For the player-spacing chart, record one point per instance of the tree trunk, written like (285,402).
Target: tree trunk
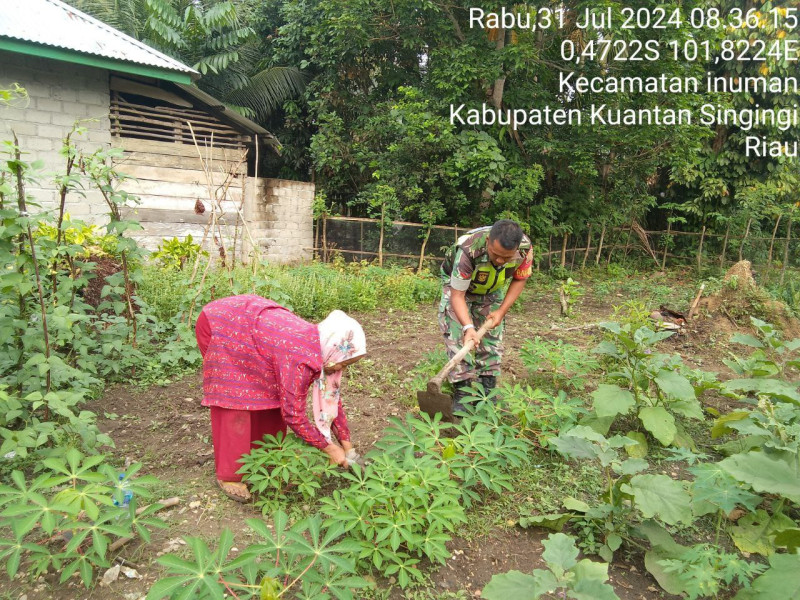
(786,249)
(724,247)
(772,241)
(588,247)
(600,245)
(744,239)
(422,252)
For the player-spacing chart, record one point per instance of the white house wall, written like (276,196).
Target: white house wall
(59,94)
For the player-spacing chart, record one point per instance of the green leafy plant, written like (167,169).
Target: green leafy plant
(658,393)
(565,364)
(565,576)
(174,254)
(629,494)
(772,355)
(283,467)
(66,518)
(302,560)
(398,511)
(569,292)
(704,570)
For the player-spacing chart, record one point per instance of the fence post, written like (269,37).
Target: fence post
(700,249)
(324,238)
(666,246)
(724,247)
(422,252)
(564,250)
(588,246)
(744,239)
(786,250)
(772,241)
(600,246)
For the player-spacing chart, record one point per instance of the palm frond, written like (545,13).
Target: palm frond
(268,89)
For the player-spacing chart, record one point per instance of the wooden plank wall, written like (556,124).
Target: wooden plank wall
(170,181)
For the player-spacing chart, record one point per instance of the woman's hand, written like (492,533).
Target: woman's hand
(336,455)
(346,445)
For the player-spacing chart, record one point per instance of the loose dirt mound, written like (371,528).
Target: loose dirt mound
(741,298)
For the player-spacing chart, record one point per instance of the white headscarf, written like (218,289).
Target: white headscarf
(341,338)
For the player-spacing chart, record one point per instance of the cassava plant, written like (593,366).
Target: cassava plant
(68,516)
(301,561)
(283,467)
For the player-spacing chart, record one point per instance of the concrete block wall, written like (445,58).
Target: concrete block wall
(59,94)
(280,219)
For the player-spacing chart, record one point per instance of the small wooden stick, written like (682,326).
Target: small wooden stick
(174,501)
(696,301)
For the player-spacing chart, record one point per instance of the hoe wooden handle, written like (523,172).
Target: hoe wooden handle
(435,384)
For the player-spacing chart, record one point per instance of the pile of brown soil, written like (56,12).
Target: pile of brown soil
(105,266)
(741,298)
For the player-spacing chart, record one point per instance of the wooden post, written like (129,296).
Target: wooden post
(666,246)
(746,231)
(588,246)
(380,241)
(628,240)
(564,250)
(361,241)
(324,238)
(786,249)
(700,249)
(572,262)
(772,241)
(724,247)
(600,245)
(422,252)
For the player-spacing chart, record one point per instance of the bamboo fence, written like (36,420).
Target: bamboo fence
(361,238)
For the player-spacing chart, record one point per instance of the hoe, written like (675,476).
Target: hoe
(432,400)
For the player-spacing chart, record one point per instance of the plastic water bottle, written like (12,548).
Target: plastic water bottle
(127,494)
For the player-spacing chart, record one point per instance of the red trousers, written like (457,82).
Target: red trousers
(234,432)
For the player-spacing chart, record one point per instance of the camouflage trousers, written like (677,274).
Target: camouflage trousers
(485,360)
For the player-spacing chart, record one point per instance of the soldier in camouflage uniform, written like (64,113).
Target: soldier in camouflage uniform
(475,274)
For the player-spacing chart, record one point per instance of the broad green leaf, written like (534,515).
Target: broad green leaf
(754,532)
(611,400)
(721,428)
(773,473)
(571,503)
(746,340)
(513,584)
(599,424)
(715,485)
(782,390)
(659,422)
(675,385)
(553,522)
(590,582)
(780,582)
(640,448)
(789,539)
(659,495)
(560,551)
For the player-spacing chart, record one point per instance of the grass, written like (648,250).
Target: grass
(311,290)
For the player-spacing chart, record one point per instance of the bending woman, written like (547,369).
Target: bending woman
(259,360)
